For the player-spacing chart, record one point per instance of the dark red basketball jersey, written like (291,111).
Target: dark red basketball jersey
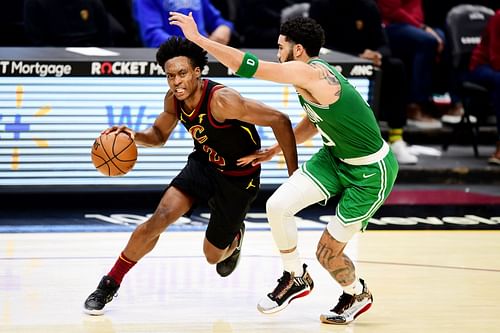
(221,144)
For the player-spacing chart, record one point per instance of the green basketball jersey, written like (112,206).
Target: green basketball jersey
(348,126)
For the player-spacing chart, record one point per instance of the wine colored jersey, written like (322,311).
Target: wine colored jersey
(220,144)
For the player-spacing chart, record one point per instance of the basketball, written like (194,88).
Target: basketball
(114,154)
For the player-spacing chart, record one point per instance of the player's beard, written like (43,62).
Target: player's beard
(289,56)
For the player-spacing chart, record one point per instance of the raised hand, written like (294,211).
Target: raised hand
(187,25)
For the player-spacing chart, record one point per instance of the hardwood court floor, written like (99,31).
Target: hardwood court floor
(422,281)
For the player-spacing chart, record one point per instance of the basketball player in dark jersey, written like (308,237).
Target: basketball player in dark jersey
(222,124)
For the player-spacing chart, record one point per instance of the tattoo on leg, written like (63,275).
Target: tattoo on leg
(330,254)
(344,275)
(326,256)
(328,251)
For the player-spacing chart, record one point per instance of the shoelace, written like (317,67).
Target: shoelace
(345,300)
(101,295)
(284,284)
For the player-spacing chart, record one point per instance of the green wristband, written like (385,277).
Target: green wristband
(248,66)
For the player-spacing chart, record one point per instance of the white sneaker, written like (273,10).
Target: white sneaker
(429,123)
(424,150)
(349,307)
(455,119)
(403,153)
(455,115)
(289,287)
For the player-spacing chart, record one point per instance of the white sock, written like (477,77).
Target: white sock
(354,288)
(291,262)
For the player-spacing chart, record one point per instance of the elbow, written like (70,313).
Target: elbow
(282,119)
(156,139)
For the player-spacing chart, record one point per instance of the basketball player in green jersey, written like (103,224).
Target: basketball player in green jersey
(354,163)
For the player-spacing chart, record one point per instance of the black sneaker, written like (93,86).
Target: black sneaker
(349,307)
(289,288)
(106,290)
(227,266)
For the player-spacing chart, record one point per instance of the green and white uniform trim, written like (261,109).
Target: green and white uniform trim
(348,127)
(354,162)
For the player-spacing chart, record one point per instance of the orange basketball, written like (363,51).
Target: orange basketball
(114,154)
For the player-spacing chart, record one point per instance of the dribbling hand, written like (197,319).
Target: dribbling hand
(119,129)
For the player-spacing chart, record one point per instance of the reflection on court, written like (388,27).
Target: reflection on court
(422,281)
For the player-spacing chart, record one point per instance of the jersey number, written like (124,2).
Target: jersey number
(213,156)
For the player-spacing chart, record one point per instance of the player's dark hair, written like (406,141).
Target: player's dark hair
(177,46)
(305,31)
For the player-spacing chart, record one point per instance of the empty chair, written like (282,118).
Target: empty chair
(465,24)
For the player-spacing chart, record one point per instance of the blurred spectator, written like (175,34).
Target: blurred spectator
(355,27)
(12,24)
(67,23)
(446,77)
(436,11)
(227,8)
(124,31)
(259,21)
(419,46)
(152,20)
(485,70)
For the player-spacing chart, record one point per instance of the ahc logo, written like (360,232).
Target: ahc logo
(362,70)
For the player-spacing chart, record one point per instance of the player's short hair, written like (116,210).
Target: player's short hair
(305,31)
(177,46)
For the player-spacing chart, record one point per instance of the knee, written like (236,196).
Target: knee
(211,256)
(428,45)
(277,205)
(159,221)
(211,259)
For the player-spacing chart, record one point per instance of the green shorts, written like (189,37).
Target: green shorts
(362,188)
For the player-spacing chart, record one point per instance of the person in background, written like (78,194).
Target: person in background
(67,23)
(123,27)
(419,46)
(355,27)
(222,124)
(354,164)
(485,70)
(448,78)
(268,14)
(152,20)
(12,32)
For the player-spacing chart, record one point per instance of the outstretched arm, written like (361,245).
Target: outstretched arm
(293,72)
(303,132)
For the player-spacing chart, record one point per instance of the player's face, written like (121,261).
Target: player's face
(182,78)
(285,49)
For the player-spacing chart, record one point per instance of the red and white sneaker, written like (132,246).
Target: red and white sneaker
(349,307)
(289,288)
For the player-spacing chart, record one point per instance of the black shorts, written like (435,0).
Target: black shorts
(228,198)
